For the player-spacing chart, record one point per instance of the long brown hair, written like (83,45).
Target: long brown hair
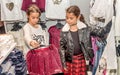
(76,11)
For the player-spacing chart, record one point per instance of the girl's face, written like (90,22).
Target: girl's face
(33,18)
(71,19)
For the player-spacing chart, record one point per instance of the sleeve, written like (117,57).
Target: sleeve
(27,35)
(46,36)
(101,31)
(63,47)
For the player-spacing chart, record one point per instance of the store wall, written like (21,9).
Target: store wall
(84,7)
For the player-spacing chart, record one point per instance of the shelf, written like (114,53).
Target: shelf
(6,53)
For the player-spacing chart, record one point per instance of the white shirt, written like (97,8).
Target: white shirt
(117,19)
(11,10)
(101,9)
(56,9)
(98,9)
(38,34)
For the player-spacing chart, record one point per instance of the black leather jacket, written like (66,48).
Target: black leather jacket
(67,46)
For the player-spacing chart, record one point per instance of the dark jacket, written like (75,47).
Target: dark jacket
(84,32)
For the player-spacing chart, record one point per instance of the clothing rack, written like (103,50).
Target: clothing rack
(12,22)
(23,22)
(59,25)
(58,20)
(43,23)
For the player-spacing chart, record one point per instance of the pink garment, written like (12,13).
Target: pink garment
(104,72)
(39,3)
(43,61)
(55,36)
(94,47)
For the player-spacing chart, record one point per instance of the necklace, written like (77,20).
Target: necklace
(57,1)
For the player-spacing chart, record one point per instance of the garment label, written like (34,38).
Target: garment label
(33,0)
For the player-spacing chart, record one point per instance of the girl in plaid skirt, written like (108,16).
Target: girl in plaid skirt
(78,65)
(75,43)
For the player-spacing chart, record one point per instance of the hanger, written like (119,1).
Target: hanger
(42,24)
(59,25)
(16,26)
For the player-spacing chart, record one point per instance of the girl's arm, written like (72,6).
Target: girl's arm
(28,38)
(63,47)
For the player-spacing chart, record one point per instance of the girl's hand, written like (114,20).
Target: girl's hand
(65,69)
(34,44)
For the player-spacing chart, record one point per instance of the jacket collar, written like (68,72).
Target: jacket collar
(80,25)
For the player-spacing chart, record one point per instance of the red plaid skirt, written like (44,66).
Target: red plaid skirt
(77,67)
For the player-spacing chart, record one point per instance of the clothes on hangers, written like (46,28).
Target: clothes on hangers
(102,9)
(16,27)
(54,35)
(55,9)
(11,10)
(117,18)
(109,52)
(54,39)
(39,3)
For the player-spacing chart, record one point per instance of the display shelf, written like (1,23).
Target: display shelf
(5,53)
